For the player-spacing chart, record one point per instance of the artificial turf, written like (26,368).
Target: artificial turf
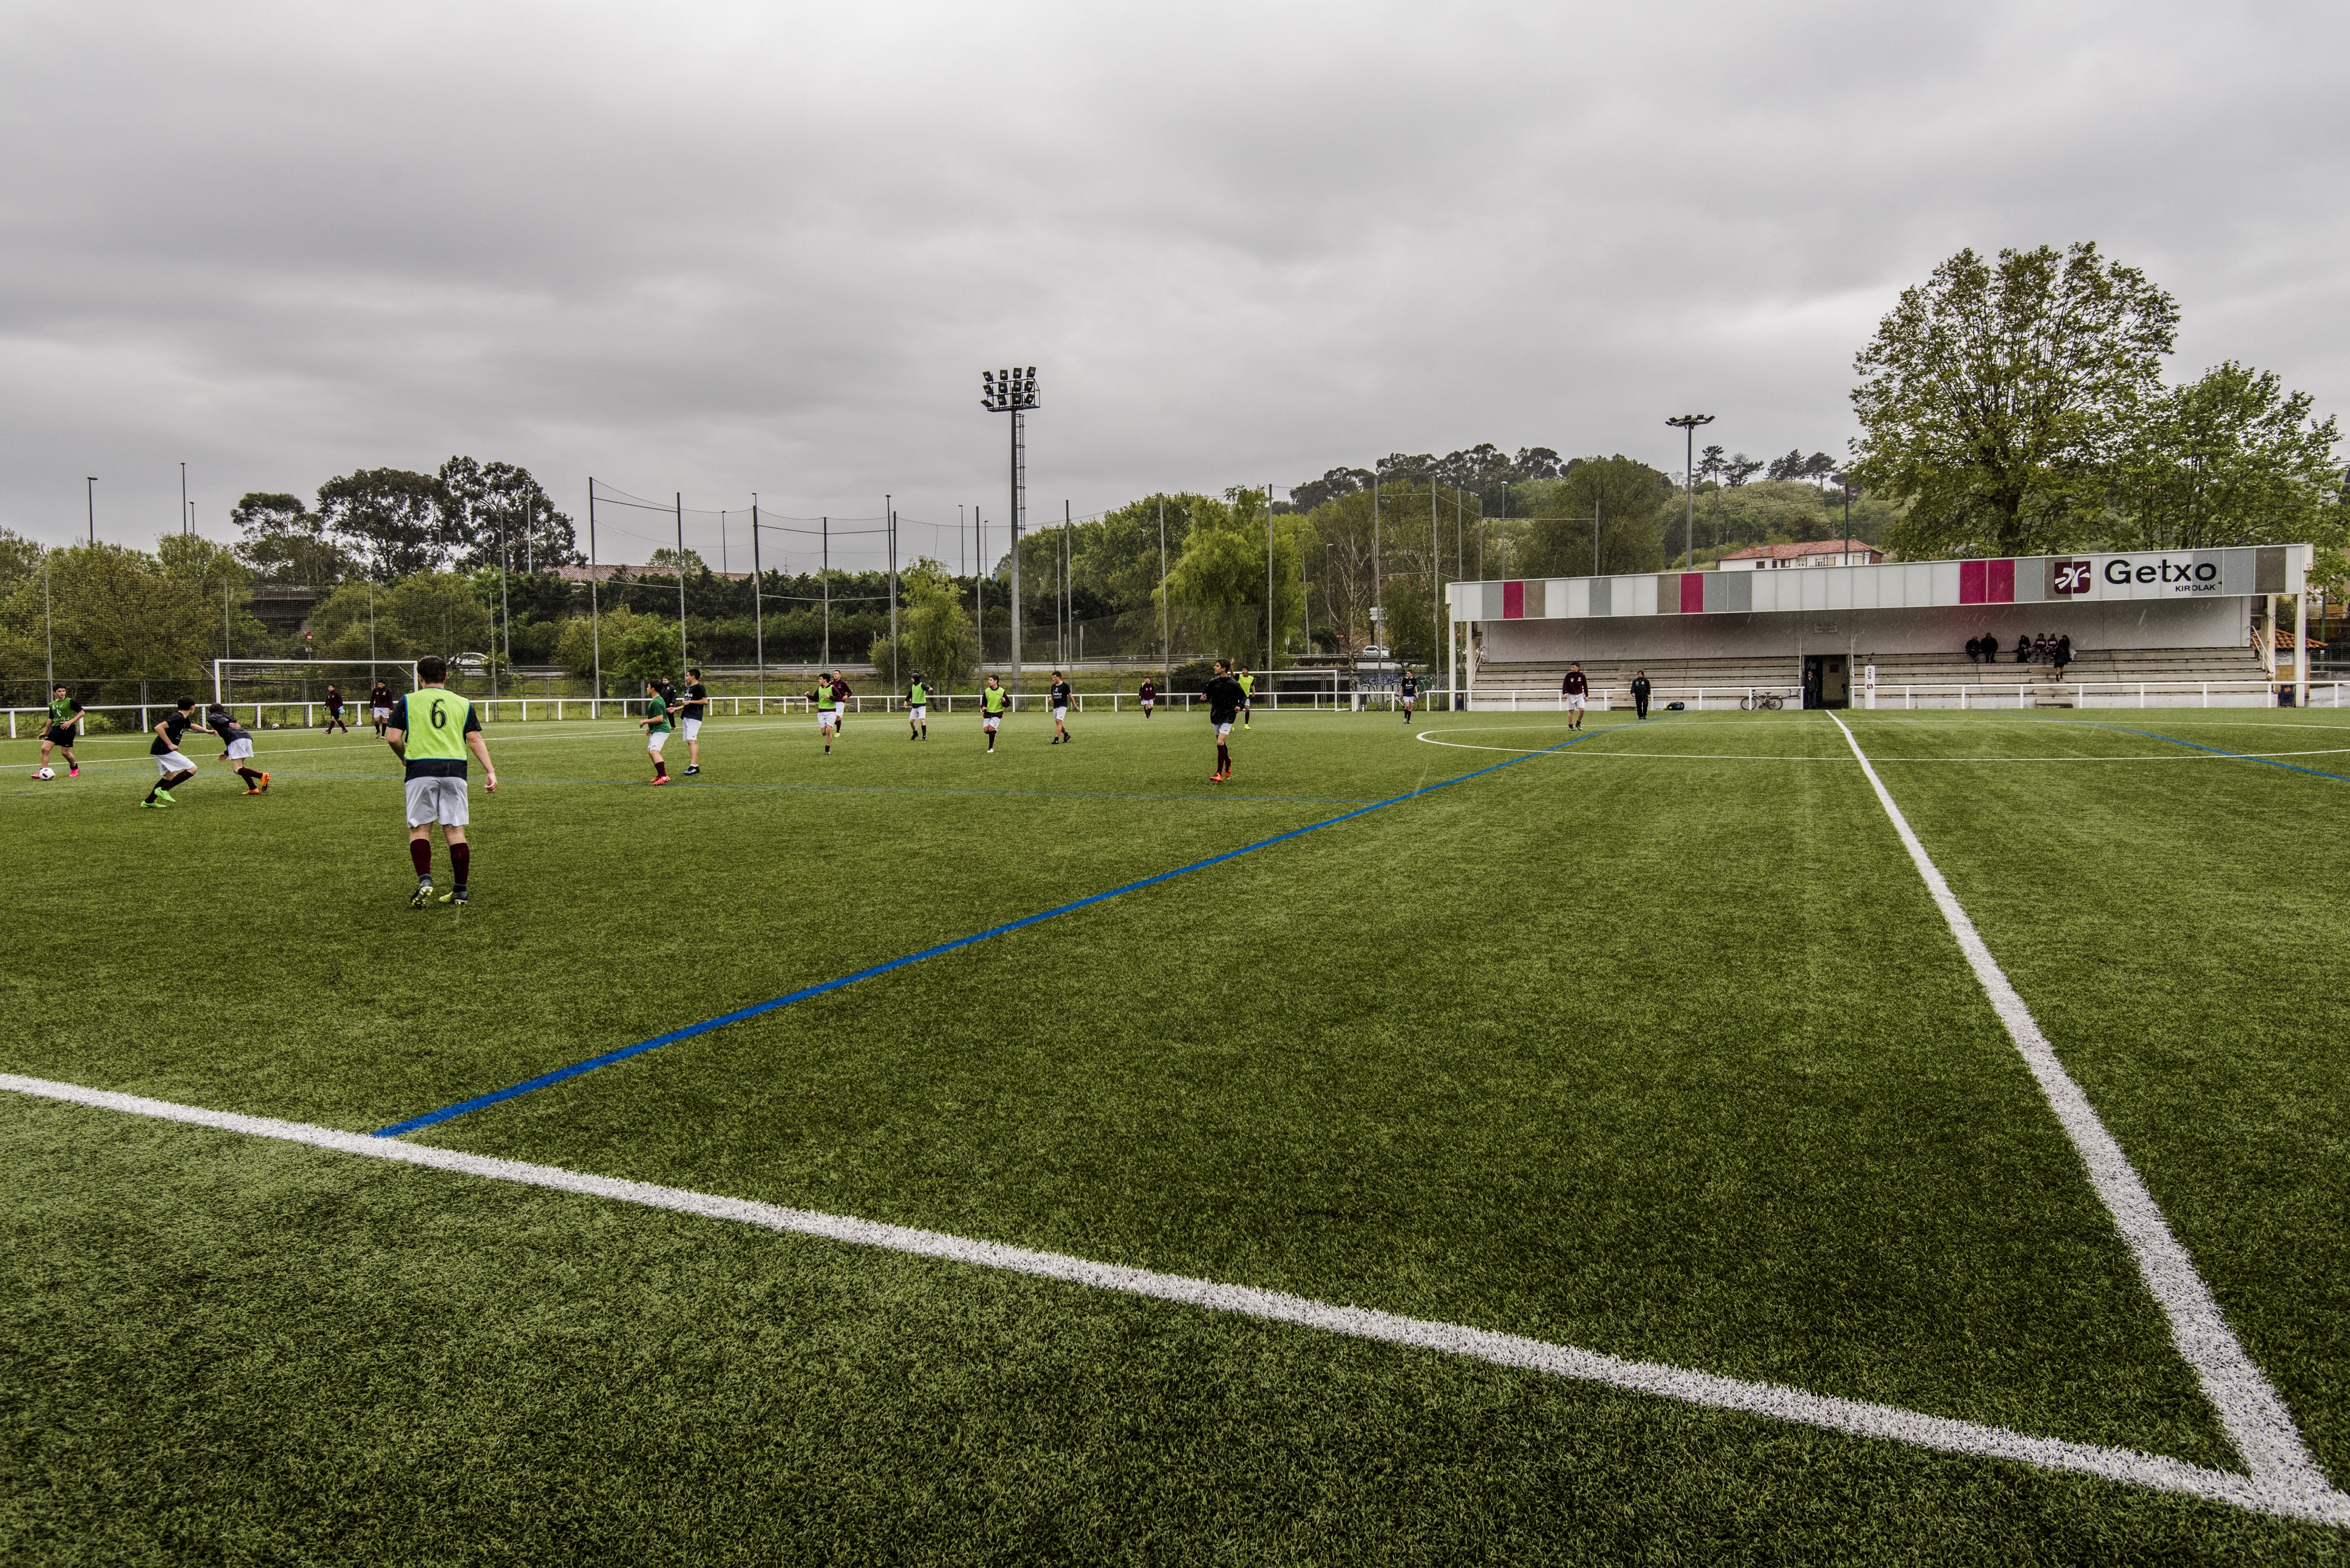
(1667,1056)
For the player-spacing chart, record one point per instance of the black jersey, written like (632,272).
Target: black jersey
(223,724)
(1224,698)
(697,702)
(1061,690)
(1411,685)
(177,725)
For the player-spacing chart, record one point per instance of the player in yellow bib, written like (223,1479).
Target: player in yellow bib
(994,701)
(429,731)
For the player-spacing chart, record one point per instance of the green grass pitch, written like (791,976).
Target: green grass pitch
(1654,1044)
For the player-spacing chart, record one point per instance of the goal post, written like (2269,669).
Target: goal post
(301,674)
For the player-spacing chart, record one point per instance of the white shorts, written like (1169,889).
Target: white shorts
(689,728)
(239,750)
(654,739)
(991,720)
(824,721)
(1059,715)
(1409,697)
(1224,730)
(380,715)
(172,762)
(1149,703)
(920,713)
(440,800)
(1575,701)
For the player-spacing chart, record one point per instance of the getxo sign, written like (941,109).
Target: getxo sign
(2180,576)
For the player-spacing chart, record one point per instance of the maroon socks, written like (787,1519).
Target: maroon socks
(420,850)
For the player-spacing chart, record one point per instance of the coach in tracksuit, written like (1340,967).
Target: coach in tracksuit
(1640,692)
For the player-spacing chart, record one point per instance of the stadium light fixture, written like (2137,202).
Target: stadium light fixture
(1014,391)
(1687,425)
(89,492)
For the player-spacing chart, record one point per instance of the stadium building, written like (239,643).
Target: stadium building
(2165,627)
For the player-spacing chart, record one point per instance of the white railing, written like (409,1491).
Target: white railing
(1965,694)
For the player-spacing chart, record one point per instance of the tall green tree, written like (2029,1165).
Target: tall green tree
(2231,458)
(1625,496)
(282,541)
(396,521)
(1996,397)
(934,625)
(1220,580)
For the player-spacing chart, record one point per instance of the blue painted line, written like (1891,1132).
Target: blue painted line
(2215,751)
(742,1015)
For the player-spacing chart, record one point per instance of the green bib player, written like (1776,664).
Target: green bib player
(918,709)
(1248,695)
(429,731)
(994,701)
(655,724)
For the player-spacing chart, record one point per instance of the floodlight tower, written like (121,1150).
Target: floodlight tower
(1013,393)
(1687,425)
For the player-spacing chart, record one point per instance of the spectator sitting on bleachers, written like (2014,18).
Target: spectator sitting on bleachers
(2022,648)
(1974,650)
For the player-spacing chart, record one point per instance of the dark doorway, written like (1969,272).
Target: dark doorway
(1827,681)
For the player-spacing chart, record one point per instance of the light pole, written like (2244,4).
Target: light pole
(1687,425)
(1268,579)
(90,494)
(185,505)
(1013,393)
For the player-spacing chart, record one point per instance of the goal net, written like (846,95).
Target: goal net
(300,684)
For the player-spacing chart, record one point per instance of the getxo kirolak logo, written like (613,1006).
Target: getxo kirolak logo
(2070,577)
(2178,577)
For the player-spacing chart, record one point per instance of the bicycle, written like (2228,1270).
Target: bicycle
(1763,699)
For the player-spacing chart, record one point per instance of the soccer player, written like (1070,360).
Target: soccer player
(1408,689)
(828,709)
(994,701)
(655,724)
(1577,691)
(239,741)
(1149,696)
(1225,700)
(918,709)
(335,710)
(429,731)
(691,713)
(65,723)
(170,761)
(1062,691)
(1640,689)
(379,708)
(840,696)
(1248,695)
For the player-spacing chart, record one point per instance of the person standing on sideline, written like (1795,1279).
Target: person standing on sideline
(1640,693)
(918,709)
(994,701)
(1247,683)
(1408,689)
(655,724)
(239,741)
(1148,695)
(335,710)
(379,708)
(429,732)
(828,709)
(171,763)
(691,713)
(1577,691)
(1225,702)
(1062,691)
(65,723)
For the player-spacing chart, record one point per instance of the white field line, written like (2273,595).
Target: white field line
(2249,1408)
(2281,1498)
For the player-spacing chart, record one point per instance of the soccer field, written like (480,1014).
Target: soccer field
(1468,1139)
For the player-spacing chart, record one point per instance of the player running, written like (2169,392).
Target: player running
(379,708)
(429,731)
(65,723)
(170,761)
(655,724)
(1148,696)
(918,709)
(840,696)
(994,701)
(1577,691)
(1408,689)
(1225,701)
(691,713)
(239,741)
(828,709)
(1062,691)
(335,710)
(1248,695)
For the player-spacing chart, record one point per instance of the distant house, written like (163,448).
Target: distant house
(1816,553)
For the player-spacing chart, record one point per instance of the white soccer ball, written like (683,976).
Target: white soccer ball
(44,772)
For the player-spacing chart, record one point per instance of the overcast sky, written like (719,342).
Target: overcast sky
(727,248)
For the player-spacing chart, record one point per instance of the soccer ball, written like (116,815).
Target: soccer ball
(44,772)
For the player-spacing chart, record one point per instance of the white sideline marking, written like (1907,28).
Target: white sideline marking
(2249,1408)
(2286,1497)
